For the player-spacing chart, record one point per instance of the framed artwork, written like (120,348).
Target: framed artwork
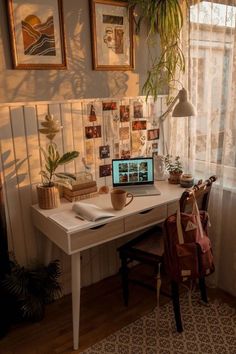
(112,35)
(37,34)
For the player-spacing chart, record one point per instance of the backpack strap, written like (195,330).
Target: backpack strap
(179,226)
(195,211)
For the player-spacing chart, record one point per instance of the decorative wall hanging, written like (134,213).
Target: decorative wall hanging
(105,170)
(92,132)
(104,151)
(37,34)
(138,109)
(112,35)
(124,113)
(91,113)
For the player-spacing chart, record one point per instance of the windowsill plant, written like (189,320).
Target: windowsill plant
(174,167)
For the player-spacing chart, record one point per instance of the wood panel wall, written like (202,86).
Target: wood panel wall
(21,163)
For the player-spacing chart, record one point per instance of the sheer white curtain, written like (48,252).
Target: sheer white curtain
(207,142)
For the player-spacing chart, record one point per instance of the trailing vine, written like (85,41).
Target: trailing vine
(163,18)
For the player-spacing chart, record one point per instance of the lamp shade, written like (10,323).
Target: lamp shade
(183,108)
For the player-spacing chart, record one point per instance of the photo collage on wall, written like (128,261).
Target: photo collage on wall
(119,129)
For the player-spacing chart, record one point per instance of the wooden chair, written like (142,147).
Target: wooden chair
(148,248)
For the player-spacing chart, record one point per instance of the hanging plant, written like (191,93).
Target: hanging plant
(163,18)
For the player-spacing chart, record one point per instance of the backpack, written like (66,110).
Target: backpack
(188,253)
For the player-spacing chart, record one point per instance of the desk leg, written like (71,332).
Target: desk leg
(75,269)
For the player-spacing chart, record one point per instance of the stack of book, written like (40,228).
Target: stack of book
(80,191)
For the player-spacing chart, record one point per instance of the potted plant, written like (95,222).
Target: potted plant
(48,194)
(28,289)
(164,19)
(174,167)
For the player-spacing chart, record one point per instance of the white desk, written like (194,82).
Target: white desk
(141,213)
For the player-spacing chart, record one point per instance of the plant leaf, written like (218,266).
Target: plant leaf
(65,175)
(67,157)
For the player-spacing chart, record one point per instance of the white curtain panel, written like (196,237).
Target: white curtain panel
(207,142)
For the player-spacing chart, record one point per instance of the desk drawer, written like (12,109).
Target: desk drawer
(144,218)
(96,235)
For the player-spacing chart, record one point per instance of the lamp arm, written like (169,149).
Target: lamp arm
(165,114)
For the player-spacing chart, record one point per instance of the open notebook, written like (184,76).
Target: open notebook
(134,175)
(90,212)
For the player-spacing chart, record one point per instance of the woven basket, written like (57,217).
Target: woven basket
(48,197)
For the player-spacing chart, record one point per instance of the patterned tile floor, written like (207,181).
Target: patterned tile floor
(207,329)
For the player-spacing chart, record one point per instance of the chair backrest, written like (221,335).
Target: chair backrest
(201,192)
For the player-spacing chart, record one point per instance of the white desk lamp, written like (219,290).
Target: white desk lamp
(183,108)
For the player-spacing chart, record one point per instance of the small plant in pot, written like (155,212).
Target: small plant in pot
(174,167)
(48,194)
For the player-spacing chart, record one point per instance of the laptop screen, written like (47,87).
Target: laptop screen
(131,172)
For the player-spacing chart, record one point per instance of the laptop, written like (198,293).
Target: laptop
(134,175)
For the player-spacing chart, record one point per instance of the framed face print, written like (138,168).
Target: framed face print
(112,35)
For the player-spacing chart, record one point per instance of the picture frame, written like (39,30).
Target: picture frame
(37,34)
(112,35)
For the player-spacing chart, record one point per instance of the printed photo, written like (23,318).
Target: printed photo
(124,133)
(138,110)
(104,151)
(109,106)
(116,149)
(139,125)
(138,139)
(153,134)
(105,170)
(125,154)
(91,113)
(154,146)
(124,113)
(89,152)
(93,132)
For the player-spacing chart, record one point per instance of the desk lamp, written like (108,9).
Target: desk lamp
(182,109)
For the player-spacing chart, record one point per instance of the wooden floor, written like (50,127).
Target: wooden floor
(102,312)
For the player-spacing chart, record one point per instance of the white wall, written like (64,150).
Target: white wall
(78,80)
(20,164)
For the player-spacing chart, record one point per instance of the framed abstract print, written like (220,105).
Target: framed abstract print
(112,35)
(37,34)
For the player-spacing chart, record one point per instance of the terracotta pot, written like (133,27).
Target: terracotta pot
(174,177)
(48,197)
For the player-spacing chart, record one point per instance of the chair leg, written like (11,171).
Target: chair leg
(176,306)
(158,283)
(202,287)
(125,280)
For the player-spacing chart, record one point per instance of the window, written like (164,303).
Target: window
(212,77)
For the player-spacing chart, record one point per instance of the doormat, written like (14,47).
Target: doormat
(207,329)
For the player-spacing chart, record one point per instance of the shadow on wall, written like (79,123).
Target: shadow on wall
(13,178)
(78,81)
